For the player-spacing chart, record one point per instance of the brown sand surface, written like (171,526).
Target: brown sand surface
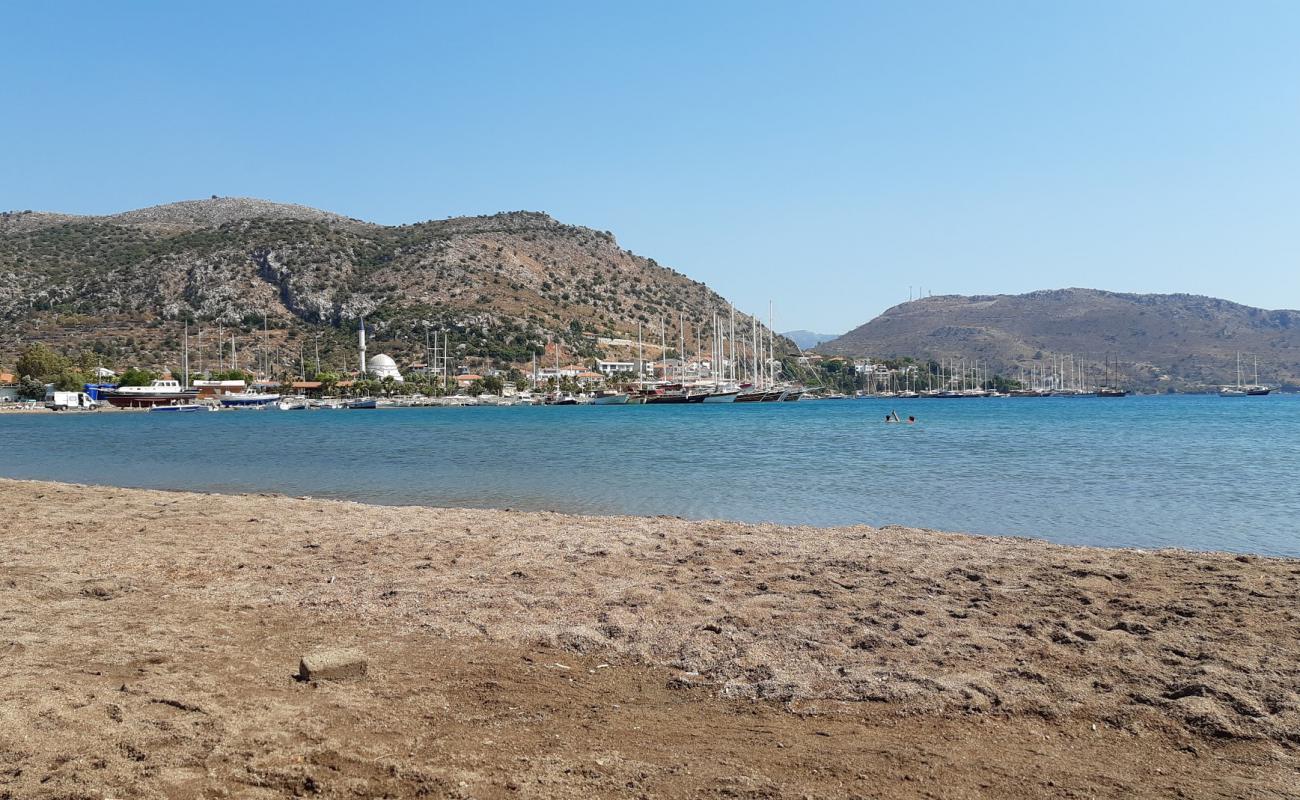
(148,642)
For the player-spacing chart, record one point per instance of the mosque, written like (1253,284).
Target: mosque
(381,365)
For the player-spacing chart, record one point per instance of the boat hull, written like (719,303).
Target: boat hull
(722,397)
(187,408)
(149,400)
(610,400)
(257,401)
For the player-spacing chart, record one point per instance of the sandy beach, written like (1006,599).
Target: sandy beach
(149,642)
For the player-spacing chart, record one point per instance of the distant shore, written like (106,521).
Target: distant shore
(150,639)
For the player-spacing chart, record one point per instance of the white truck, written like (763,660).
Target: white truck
(70,401)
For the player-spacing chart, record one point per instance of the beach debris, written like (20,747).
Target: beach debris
(332,665)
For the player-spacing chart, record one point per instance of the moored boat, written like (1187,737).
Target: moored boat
(182,408)
(608,397)
(723,396)
(249,399)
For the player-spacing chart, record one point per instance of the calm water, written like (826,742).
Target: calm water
(1194,472)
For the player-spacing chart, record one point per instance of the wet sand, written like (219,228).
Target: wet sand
(148,643)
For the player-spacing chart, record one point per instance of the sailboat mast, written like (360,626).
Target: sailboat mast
(185,356)
(733,344)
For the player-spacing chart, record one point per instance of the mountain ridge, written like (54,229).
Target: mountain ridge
(808,339)
(505,284)
(1182,340)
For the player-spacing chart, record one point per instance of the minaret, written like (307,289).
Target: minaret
(361,334)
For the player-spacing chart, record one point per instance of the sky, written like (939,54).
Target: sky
(830,157)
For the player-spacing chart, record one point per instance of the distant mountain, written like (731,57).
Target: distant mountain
(504,284)
(1176,340)
(807,339)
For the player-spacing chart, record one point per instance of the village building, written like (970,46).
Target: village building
(216,389)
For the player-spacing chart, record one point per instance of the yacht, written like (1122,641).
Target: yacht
(157,393)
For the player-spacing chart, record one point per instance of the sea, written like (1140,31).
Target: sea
(1193,472)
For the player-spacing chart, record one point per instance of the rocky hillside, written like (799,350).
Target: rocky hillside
(503,284)
(1180,341)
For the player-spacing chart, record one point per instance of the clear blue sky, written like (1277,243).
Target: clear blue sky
(825,155)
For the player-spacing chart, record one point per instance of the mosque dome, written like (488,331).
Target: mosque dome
(383,366)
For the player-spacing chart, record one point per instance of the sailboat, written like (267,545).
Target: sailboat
(1257,389)
(1112,389)
(1234,391)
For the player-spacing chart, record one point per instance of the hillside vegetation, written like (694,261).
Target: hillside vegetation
(501,284)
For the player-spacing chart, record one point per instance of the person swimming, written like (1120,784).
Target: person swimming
(892,416)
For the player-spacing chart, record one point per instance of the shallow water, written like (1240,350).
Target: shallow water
(1197,472)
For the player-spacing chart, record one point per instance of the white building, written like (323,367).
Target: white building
(609,368)
(383,366)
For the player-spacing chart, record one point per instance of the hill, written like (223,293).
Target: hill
(807,339)
(1176,340)
(502,284)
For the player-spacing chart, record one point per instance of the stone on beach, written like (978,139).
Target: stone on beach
(332,665)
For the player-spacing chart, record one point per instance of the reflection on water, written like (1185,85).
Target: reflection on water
(1195,472)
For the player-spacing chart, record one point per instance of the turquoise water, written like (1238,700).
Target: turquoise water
(1192,472)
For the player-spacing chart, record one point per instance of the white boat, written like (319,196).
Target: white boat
(183,408)
(607,397)
(249,399)
(293,404)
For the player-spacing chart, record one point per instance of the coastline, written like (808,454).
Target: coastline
(779,660)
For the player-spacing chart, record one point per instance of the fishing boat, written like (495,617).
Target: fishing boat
(608,397)
(363,403)
(248,399)
(182,408)
(293,404)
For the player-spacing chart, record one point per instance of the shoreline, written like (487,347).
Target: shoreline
(891,634)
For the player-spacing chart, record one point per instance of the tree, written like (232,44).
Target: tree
(31,389)
(69,381)
(41,363)
(329,381)
(136,377)
(493,384)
